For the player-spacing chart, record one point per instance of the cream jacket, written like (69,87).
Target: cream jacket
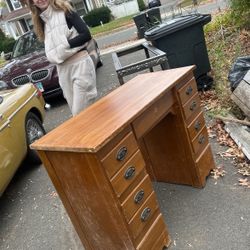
(57,33)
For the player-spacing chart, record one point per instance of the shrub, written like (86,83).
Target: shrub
(2,35)
(240,12)
(6,43)
(141,5)
(96,16)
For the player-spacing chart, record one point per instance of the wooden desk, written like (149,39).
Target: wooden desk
(103,160)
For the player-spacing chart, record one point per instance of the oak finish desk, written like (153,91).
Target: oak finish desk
(102,161)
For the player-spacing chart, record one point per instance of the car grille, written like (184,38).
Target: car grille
(35,76)
(21,80)
(39,75)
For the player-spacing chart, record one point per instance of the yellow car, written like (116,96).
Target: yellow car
(21,118)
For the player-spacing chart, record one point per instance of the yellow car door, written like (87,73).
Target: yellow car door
(12,148)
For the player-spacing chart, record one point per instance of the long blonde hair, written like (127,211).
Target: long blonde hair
(38,23)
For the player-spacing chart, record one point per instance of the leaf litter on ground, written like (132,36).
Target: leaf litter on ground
(210,101)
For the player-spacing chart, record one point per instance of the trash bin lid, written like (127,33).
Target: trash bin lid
(176,24)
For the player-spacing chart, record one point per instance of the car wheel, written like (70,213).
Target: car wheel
(34,130)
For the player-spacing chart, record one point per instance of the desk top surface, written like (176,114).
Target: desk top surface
(100,122)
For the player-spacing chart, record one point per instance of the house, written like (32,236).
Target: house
(15,17)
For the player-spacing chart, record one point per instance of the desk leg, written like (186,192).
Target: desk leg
(147,56)
(165,65)
(120,78)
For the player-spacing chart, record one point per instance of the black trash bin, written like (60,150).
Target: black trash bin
(183,40)
(141,23)
(154,16)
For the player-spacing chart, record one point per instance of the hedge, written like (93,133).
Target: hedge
(97,16)
(6,43)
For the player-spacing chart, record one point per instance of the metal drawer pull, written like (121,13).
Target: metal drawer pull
(130,172)
(193,106)
(145,214)
(139,197)
(121,154)
(189,90)
(201,139)
(197,125)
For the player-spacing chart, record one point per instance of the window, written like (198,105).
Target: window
(16,4)
(80,7)
(27,44)
(24,25)
(29,23)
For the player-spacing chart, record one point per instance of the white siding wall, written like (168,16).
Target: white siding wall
(124,9)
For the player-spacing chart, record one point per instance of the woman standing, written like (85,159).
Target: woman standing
(65,36)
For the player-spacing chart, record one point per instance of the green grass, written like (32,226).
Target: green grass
(115,24)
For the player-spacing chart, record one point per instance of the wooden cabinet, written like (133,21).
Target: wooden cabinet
(102,162)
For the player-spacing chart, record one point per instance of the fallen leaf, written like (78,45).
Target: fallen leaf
(245,172)
(218,172)
(53,194)
(244,182)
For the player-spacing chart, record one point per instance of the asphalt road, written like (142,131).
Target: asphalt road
(167,9)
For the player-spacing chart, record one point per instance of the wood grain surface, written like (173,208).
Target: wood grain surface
(100,122)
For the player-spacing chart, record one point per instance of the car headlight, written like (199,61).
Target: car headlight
(3,85)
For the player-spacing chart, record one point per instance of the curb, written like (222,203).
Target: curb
(122,46)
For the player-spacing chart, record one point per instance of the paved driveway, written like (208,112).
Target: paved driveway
(214,218)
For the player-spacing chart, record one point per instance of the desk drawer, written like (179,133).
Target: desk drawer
(187,91)
(192,107)
(120,154)
(196,126)
(200,141)
(144,216)
(156,237)
(137,197)
(128,173)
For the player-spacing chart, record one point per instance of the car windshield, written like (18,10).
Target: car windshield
(27,44)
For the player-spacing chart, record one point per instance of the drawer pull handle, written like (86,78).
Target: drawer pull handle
(121,154)
(130,172)
(197,125)
(201,139)
(193,106)
(189,90)
(139,197)
(145,214)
